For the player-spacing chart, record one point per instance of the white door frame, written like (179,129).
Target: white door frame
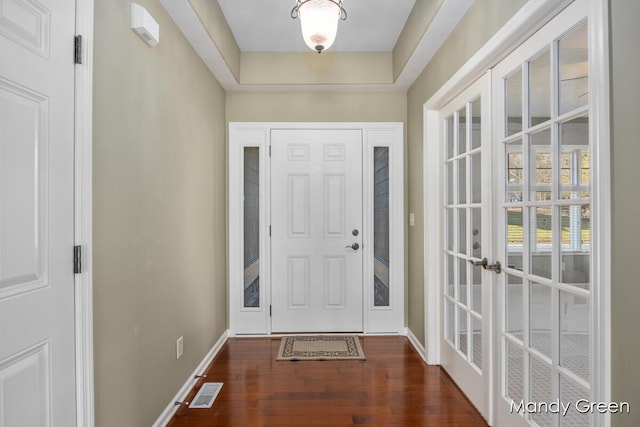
(256,320)
(85,408)
(525,22)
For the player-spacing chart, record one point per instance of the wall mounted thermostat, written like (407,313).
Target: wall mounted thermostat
(144,25)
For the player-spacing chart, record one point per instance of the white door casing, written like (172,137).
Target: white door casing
(37,311)
(466,289)
(316,230)
(250,170)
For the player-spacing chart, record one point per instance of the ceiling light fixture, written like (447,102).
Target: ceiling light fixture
(319,21)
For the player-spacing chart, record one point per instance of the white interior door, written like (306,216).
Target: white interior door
(37,368)
(542,219)
(316,235)
(466,296)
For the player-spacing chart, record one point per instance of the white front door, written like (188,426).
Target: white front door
(543,216)
(316,230)
(37,365)
(466,296)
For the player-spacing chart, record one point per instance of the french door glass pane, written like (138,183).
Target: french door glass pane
(515,171)
(462,131)
(462,280)
(574,158)
(462,329)
(476,341)
(571,391)
(450,212)
(476,123)
(541,219)
(450,323)
(574,70)
(540,89)
(514,103)
(476,289)
(476,178)
(476,232)
(514,372)
(451,278)
(450,142)
(462,230)
(541,166)
(540,318)
(576,245)
(381,226)
(450,187)
(515,238)
(251,227)
(514,305)
(540,389)
(574,334)
(462,181)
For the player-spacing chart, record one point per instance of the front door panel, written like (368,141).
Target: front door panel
(316,191)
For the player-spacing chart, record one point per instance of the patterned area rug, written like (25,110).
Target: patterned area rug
(321,347)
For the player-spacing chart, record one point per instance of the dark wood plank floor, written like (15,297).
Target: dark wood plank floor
(393,387)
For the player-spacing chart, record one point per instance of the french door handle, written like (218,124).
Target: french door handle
(484,263)
(497,268)
(354,246)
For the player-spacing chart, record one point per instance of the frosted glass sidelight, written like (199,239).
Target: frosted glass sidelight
(251,227)
(381,226)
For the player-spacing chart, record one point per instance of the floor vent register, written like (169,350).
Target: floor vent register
(206,395)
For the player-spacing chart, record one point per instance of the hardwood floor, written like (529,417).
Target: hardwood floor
(393,387)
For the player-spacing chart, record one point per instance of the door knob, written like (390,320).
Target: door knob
(354,246)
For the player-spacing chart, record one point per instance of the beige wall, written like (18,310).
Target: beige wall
(159,215)
(481,22)
(309,68)
(316,107)
(625,348)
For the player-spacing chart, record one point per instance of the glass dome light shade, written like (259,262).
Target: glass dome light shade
(319,22)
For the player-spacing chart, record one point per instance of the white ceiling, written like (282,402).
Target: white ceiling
(267,26)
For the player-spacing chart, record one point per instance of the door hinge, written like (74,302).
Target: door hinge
(269,151)
(77,259)
(269,311)
(77,50)
(269,231)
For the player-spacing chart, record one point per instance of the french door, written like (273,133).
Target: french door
(466,293)
(542,214)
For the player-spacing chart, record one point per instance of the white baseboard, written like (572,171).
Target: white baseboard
(172,408)
(416,344)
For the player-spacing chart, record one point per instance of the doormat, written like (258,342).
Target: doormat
(321,347)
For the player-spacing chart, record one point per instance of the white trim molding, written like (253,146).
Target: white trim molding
(418,347)
(442,25)
(171,409)
(600,133)
(256,320)
(83,224)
